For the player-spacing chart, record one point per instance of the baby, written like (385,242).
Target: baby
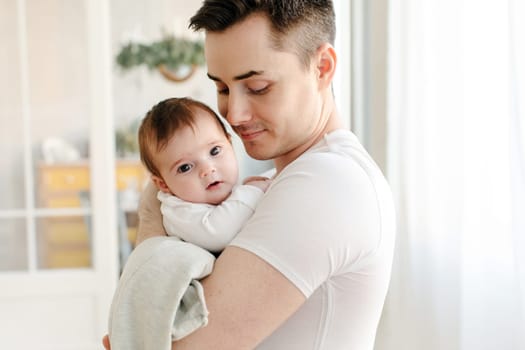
(188,151)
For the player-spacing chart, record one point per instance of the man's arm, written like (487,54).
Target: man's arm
(247,300)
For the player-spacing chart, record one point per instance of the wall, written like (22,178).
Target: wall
(369,81)
(377,80)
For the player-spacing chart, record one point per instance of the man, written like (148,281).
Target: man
(310,269)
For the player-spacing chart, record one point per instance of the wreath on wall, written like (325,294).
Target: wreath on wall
(175,58)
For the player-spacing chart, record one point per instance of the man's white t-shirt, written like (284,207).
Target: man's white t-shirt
(327,223)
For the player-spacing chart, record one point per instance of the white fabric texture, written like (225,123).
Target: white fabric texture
(457,169)
(211,227)
(158,298)
(327,223)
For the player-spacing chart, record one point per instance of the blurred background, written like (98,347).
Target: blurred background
(435,90)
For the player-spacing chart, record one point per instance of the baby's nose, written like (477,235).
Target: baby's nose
(207,170)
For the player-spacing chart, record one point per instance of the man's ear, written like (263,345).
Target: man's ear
(326,61)
(160,184)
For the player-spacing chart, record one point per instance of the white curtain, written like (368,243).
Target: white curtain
(456,111)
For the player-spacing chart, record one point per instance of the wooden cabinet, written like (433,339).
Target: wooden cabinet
(63,237)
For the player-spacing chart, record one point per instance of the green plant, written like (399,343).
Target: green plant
(126,140)
(171,52)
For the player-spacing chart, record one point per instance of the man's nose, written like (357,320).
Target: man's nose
(238,109)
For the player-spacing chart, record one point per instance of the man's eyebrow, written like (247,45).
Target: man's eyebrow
(238,77)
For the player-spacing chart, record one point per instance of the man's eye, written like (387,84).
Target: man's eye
(260,91)
(224,91)
(215,150)
(184,168)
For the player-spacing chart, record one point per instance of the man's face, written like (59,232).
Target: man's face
(269,98)
(198,164)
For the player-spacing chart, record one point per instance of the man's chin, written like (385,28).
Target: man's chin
(258,152)
(260,157)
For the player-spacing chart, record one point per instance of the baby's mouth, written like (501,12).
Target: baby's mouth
(213,185)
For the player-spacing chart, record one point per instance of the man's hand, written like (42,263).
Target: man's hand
(150,217)
(258,181)
(105,342)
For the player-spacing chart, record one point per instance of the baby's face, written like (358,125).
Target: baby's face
(198,164)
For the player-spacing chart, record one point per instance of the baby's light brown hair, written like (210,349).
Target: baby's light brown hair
(162,121)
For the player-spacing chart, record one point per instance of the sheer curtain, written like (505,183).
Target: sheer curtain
(456,112)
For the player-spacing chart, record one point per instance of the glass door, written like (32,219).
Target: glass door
(58,230)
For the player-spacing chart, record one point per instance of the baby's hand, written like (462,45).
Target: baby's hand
(258,181)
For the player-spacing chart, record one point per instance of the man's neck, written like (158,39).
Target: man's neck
(332,122)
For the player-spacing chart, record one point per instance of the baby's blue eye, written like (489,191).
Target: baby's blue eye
(184,168)
(215,150)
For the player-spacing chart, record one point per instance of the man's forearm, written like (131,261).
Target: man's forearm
(241,317)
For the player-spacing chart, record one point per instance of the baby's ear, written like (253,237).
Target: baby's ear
(160,184)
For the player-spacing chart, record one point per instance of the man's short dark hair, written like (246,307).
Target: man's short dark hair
(297,25)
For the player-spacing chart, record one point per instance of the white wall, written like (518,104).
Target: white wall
(368,67)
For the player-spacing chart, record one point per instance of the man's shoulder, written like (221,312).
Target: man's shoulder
(338,154)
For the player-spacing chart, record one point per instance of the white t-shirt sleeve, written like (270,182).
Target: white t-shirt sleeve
(318,219)
(208,226)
